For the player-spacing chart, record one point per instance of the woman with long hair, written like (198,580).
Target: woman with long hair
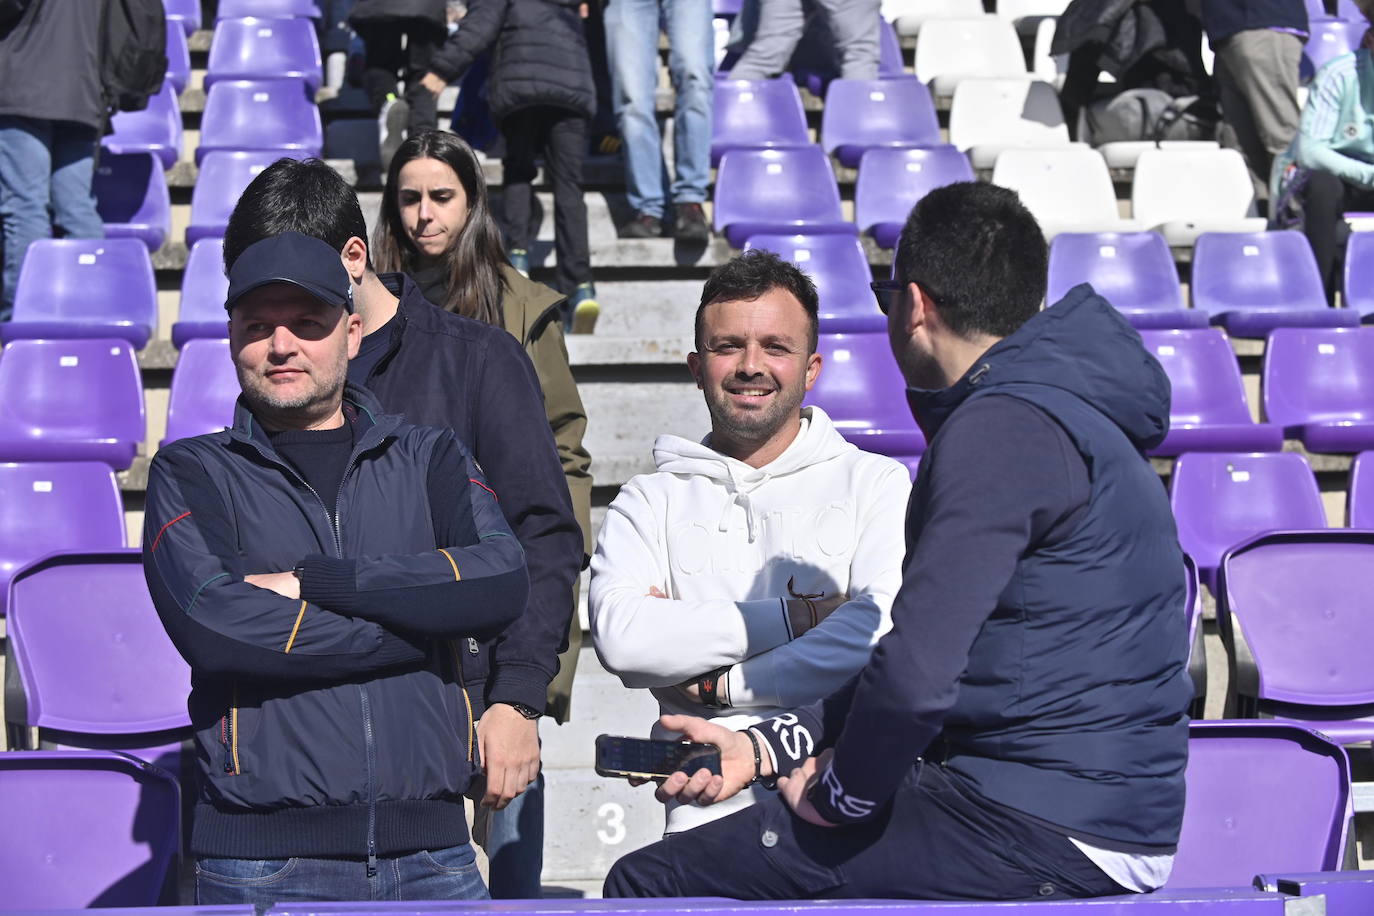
(436,225)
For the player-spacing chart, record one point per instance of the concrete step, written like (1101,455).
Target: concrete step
(590,821)
(624,418)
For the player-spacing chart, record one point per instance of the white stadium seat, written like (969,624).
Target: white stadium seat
(1186,192)
(951,50)
(990,115)
(1067,189)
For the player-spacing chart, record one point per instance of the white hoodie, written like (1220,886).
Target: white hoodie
(721,539)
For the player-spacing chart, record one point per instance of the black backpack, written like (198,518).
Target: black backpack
(133,53)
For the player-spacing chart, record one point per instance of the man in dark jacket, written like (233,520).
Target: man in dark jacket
(51,115)
(440,369)
(318,565)
(1020,732)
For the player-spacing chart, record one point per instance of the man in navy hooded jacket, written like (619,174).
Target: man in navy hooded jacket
(1021,731)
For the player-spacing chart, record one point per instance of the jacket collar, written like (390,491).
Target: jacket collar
(373,425)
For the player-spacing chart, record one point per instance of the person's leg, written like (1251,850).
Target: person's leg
(854,26)
(435,874)
(1256,72)
(263,882)
(73,168)
(780,27)
(936,841)
(632,28)
(25,170)
(691,63)
(565,140)
(383,59)
(521,132)
(515,845)
(1323,202)
(421,43)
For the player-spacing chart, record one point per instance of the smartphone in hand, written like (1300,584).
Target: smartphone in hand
(645,758)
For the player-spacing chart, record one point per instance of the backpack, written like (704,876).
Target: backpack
(1149,114)
(133,52)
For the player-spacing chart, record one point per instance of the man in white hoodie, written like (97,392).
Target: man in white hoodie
(754,571)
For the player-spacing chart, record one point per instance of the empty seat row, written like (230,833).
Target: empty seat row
(186,13)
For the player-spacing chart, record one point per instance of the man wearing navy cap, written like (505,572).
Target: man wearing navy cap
(317,565)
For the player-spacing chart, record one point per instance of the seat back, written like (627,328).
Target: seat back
(255,48)
(267,9)
(223,176)
(1263,271)
(1221,499)
(1301,603)
(178,57)
(267,114)
(70,400)
(1059,186)
(104,284)
(1329,39)
(51,506)
(1204,375)
(1006,112)
(204,287)
(892,181)
(85,828)
(1313,375)
(1357,290)
(156,129)
(1262,796)
(985,45)
(204,389)
(1134,271)
(861,114)
(776,187)
(1359,504)
(1182,183)
(132,198)
(839,268)
(1013,10)
(861,388)
(756,114)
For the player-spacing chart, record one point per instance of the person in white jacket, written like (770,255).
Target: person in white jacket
(752,572)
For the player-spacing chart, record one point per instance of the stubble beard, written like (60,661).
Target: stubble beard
(328,384)
(752,427)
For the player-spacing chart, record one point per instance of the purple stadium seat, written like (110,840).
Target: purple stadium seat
(1134,271)
(267,9)
(1253,282)
(156,129)
(185,13)
(270,114)
(204,388)
(1329,39)
(862,390)
(223,176)
(94,667)
(866,114)
(777,191)
(1222,498)
(132,198)
(1318,386)
(1262,796)
(178,57)
(1208,412)
(891,181)
(1347,893)
(756,114)
(1359,505)
(70,288)
(85,828)
(70,400)
(1347,10)
(839,268)
(204,287)
(1358,290)
(1293,612)
(255,49)
(70,505)
(726,8)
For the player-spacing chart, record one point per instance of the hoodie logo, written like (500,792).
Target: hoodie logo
(822,533)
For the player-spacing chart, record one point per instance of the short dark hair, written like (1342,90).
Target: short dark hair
(305,196)
(976,250)
(749,276)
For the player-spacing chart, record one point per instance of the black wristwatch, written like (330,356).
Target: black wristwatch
(529,712)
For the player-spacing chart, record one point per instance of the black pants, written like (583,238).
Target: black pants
(1325,199)
(385,60)
(938,840)
(560,136)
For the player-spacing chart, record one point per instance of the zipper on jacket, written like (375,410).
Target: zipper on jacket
(371,783)
(467,701)
(229,735)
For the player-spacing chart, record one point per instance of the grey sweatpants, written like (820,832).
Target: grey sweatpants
(853,25)
(1257,78)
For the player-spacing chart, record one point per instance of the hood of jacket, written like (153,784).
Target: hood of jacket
(1081,345)
(527,306)
(817,441)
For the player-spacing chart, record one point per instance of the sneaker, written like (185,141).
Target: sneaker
(583,309)
(391,128)
(520,259)
(690,223)
(643,226)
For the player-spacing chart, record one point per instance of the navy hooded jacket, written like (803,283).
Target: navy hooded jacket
(337,724)
(1039,645)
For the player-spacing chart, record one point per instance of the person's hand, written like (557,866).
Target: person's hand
(655,592)
(433,83)
(794,788)
(283,583)
(799,615)
(509,745)
(704,787)
(583,10)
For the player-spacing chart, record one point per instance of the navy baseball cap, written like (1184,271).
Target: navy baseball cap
(293,258)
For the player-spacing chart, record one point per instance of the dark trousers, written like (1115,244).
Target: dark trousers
(1325,199)
(560,137)
(385,60)
(938,840)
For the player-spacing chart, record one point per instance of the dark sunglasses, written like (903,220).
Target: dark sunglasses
(887,293)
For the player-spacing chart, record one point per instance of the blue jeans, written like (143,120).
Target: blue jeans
(45,179)
(632,28)
(515,845)
(441,874)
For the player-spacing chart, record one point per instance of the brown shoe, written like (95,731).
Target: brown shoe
(690,223)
